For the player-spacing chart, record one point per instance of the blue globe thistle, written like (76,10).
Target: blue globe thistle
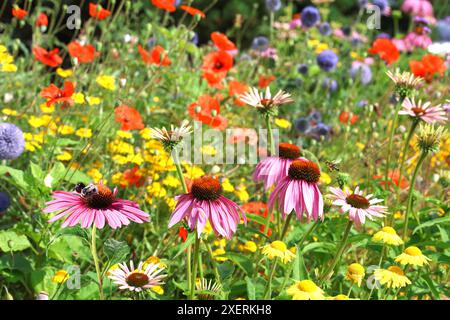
(11,141)
(273,5)
(301,124)
(310,16)
(325,29)
(443,28)
(260,43)
(383,35)
(361,71)
(382,4)
(194,38)
(319,131)
(362,103)
(4,201)
(330,84)
(315,116)
(346,30)
(363,3)
(327,60)
(303,68)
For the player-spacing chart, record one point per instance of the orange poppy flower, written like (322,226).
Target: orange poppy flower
(42,20)
(260,209)
(264,81)
(83,53)
(129,118)
(96,11)
(53,94)
(428,67)
(168,5)
(393,178)
(19,13)
(156,56)
(133,177)
(222,42)
(216,65)
(206,110)
(49,58)
(183,234)
(235,89)
(345,116)
(193,11)
(386,49)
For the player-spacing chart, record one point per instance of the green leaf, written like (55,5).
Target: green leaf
(256,218)
(117,251)
(41,280)
(17,176)
(320,247)
(187,243)
(251,290)
(37,173)
(225,269)
(431,223)
(299,271)
(68,247)
(431,285)
(11,241)
(242,262)
(75,176)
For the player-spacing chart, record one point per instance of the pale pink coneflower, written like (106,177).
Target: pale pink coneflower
(265,101)
(357,205)
(137,280)
(272,169)
(205,202)
(298,191)
(96,204)
(426,112)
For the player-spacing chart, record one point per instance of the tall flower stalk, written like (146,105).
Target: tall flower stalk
(96,261)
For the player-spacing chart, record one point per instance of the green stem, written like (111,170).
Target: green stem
(188,267)
(306,235)
(270,138)
(96,261)
(268,291)
(339,252)
(391,141)
(214,264)
(404,152)
(179,171)
(410,194)
(383,251)
(286,225)
(194,268)
(271,17)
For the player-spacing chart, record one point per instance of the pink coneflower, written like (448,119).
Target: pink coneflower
(272,169)
(205,202)
(359,206)
(420,8)
(425,111)
(298,191)
(94,203)
(144,277)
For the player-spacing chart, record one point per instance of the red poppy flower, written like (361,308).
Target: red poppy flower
(49,58)
(129,118)
(183,233)
(386,49)
(235,89)
(83,53)
(168,5)
(264,81)
(428,67)
(53,94)
(42,20)
(206,110)
(393,178)
(222,42)
(156,56)
(260,209)
(345,116)
(19,13)
(133,177)
(216,65)
(96,11)
(193,11)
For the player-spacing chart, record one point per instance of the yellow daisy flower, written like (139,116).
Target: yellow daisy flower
(355,273)
(413,256)
(64,73)
(106,82)
(392,277)
(305,290)
(283,123)
(278,249)
(248,246)
(65,156)
(84,132)
(60,276)
(388,235)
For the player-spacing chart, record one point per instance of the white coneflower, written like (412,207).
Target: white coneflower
(404,81)
(129,278)
(429,138)
(424,111)
(265,101)
(170,138)
(207,290)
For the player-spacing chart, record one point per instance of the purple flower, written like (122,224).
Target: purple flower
(310,16)
(194,38)
(330,84)
(362,71)
(302,124)
(382,4)
(443,28)
(4,201)
(315,116)
(325,29)
(260,43)
(383,35)
(303,68)
(11,141)
(327,60)
(273,5)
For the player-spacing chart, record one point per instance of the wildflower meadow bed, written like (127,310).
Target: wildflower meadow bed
(298,151)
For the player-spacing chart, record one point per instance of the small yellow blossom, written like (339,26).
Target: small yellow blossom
(60,276)
(355,273)
(64,73)
(305,290)
(93,101)
(9,112)
(217,255)
(65,156)
(278,249)
(392,277)
(388,235)
(84,132)
(106,82)
(413,256)
(157,289)
(78,98)
(283,123)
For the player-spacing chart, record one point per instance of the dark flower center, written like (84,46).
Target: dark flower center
(137,279)
(101,199)
(288,151)
(206,188)
(266,102)
(306,170)
(418,111)
(218,65)
(357,201)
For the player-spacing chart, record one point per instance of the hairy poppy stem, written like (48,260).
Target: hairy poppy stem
(96,261)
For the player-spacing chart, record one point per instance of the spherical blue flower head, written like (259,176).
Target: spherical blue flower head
(363,3)
(362,71)
(327,60)
(301,124)
(346,30)
(443,28)
(260,43)
(303,68)
(194,39)
(310,16)
(315,116)
(11,141)
(325,29)
(177,3)
(4,201)
(362,103)
(322,129)
(330,84)
(151,42)
(382,4)
(273,5)
(383,35)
